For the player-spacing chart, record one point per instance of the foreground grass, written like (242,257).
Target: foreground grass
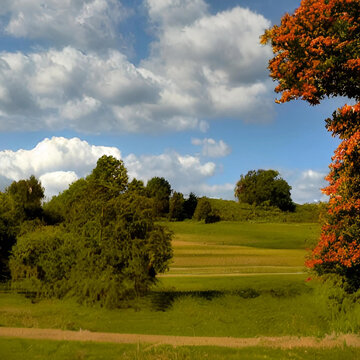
(16,349)
(238,307)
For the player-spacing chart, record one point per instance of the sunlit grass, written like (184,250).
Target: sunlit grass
(16,349)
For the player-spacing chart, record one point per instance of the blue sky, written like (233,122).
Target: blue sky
(175,88)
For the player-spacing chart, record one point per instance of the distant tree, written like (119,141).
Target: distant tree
(28,195)
(176,207)
(203,209)
(190,205)
(159,190)
(110,173)
(264,186)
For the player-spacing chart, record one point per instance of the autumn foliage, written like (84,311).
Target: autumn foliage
(317,55)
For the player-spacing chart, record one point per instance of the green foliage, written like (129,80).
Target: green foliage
(159,190)
(20,203)
(264,187)
(203,209)
(343,304)
(110,173)
(176,207)
(230,210)
(190,205)
(27,195)
(106,247)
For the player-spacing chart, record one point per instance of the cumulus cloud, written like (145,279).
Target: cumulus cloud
(202,67)
(216,59)
(184,172)
(212,148)
(57,181)
(307,185)
(93,21)
(69,89)
(57,162)
(175,13)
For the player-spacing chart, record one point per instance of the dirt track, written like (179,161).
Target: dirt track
(282,342)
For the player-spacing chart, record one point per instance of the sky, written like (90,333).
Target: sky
(175,88)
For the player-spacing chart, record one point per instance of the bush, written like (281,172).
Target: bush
(212,218)
(203,209)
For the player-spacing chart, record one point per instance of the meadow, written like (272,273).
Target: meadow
(227,279)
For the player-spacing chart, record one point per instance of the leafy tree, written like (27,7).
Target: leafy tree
(203,209)
(20,203)
(159,190)
(27,195)
(317,55)
(176,207)
(106,249)
(264,187)
(190,205)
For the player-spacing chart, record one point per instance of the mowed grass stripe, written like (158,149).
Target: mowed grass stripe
(258,235)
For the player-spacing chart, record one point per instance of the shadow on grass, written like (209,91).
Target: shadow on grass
(163,300)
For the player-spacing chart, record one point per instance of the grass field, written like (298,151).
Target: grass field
(15,349)
(240,247)
(227,279)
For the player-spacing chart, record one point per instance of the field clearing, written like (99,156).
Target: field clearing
(256,235)
(201,249)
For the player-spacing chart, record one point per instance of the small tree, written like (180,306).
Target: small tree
(203,209)
(176,207)
(190,205)
(159,190)
(264,186)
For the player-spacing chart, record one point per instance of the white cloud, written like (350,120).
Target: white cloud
(175,13)
(307,185)
(57,161)
(201,67)
(212,148)
(57,181)
(215,59)
(182,171)
(85,24)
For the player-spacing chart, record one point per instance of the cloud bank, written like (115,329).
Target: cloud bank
(58,162)
(202,67)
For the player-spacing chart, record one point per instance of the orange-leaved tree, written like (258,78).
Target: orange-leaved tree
(317,55)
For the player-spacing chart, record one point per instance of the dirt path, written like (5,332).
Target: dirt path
(282,342)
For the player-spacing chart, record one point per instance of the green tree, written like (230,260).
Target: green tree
(21,203)
(190,205)
(176,207)
(28,195)
(264,187)
(203,209)
(159,190)
(106,248)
